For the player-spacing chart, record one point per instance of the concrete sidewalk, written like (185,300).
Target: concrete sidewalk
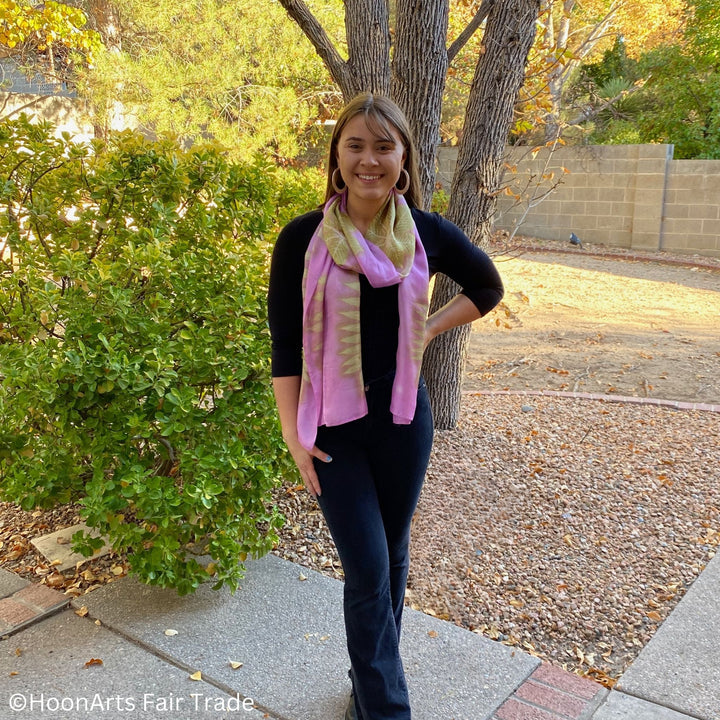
(119,661)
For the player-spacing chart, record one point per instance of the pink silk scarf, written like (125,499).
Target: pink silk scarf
(332,388)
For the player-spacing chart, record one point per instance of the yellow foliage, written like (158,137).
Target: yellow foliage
(41,26)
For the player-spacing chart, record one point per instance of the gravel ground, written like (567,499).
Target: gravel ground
(569,528)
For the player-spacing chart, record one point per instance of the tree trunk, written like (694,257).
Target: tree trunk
(104,18)
(419,69)
(367,26)
(557,77)
(499,75)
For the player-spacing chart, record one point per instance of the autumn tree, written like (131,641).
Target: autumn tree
(571,33)
(412,70)
(51,38)
(684,114)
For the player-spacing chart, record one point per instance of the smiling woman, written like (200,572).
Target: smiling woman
(348,308)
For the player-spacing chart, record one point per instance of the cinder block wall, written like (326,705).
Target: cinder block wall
(629,196)
(692,209)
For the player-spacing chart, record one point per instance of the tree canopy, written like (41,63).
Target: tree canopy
(650,105)
(237,71)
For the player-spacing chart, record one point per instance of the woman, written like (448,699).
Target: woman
(348,318)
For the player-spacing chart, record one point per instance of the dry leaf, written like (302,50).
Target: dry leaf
(93,661)
(18,652)
(196,676)
(82,612)
(654,616)
(55,580)
(234,664)
(432,633)
(169,632)
(302,577)
(62,540)
(13,674)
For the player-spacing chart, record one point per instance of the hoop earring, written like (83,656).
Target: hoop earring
(406,186)
(333,182)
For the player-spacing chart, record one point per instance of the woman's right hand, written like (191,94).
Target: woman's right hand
(304,461)
(287,394)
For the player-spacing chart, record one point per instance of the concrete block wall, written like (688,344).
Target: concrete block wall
(692,209)
(629,196)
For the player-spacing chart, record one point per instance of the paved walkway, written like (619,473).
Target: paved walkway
(131,651)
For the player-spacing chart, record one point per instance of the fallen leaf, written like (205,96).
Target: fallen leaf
(82,612)
(654,616)
(18,652)
(55,580)
(432,633)
(234,664)
(13,674)
(196,676)
(169,632)
(93,661)
(302,577)
(62,540)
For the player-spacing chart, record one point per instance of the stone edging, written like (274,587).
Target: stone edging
(629,256)
(24,607)
(658,402)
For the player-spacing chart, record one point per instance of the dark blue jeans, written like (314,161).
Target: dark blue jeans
(369,493)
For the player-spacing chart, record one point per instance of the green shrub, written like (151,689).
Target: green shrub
(134,347)
(298,192)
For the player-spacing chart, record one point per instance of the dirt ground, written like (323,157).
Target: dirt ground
(578,322)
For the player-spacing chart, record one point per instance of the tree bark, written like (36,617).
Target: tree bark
(419,70)
(367,26)
(499,75)
(104,18)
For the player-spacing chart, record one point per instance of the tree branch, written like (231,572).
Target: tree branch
(462,39)
(315,32)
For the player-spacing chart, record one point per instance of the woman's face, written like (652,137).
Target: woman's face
(370,165)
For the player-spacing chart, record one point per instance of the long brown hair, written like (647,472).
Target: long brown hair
(381,114)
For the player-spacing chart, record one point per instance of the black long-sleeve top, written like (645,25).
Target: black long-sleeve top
(448,250)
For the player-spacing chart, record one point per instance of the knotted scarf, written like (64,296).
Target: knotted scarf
(332,388)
